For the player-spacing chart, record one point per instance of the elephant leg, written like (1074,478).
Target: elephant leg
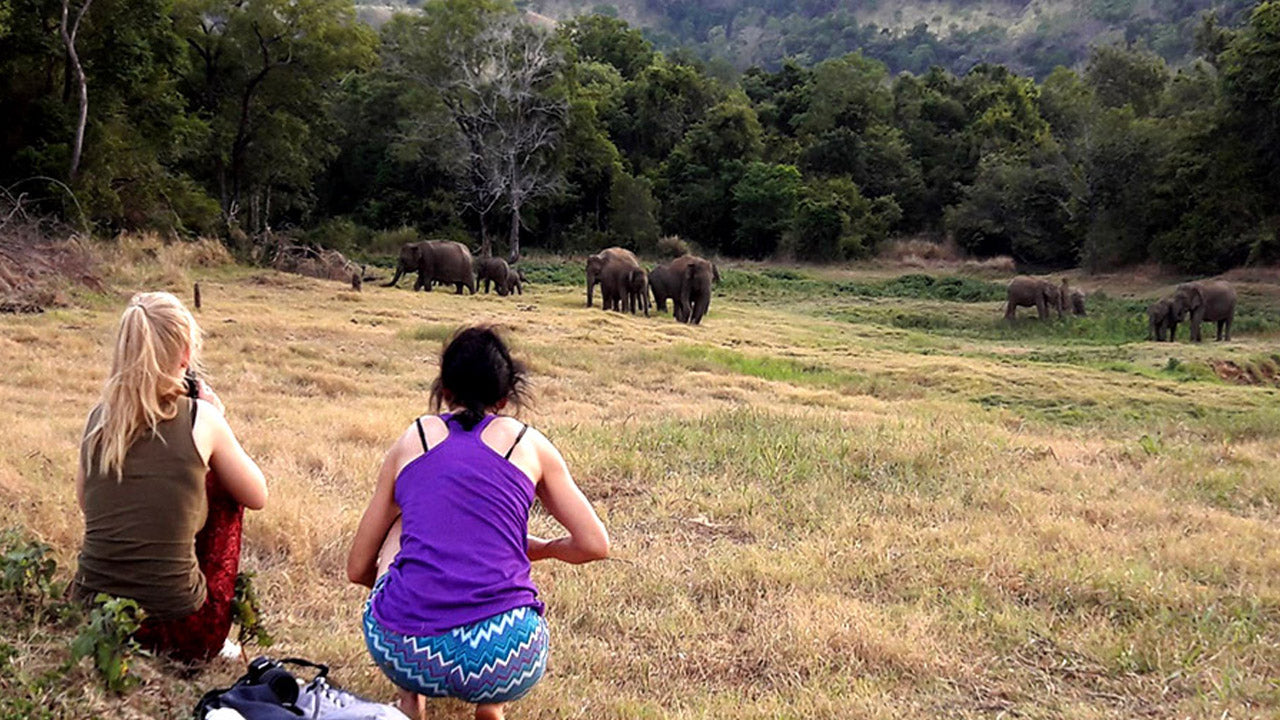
(1042,309)
(1226,329)
(1010,311)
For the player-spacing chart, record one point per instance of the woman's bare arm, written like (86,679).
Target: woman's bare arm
(587,540)
(362,561)
(238,474)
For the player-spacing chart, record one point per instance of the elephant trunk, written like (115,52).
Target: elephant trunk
(396,278)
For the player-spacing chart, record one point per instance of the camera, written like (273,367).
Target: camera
(265,671)
(193,383)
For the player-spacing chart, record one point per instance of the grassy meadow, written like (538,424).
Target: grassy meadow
(848,494)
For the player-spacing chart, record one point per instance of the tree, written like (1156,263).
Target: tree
(265,73)
(69,30)
(764,202)
(1123,76)
(610,40)
(1251,87)
(500,81)
(696,183)
(1021,204)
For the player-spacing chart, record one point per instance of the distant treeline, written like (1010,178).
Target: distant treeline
(747,33)
(462,120)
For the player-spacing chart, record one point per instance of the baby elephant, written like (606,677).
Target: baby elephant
(1161,319)
(503,277)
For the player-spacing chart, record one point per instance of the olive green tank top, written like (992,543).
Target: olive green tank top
(140,531)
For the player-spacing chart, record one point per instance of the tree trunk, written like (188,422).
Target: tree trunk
(82,84)
(513,242)
(486,245)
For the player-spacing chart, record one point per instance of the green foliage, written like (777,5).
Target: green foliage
(26,568)
(1019,205)
(764,202)
(633,211)
(1130,77)
(246,611)
(610,40)
(264,74)
(834,220)
(296,116)
(108,638)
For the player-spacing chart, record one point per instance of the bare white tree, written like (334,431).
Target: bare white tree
(500,94)
(69,30)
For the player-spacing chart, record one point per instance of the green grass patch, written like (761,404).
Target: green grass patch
(711,359)
(785,283)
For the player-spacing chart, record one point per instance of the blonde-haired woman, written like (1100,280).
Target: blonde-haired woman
(163,484)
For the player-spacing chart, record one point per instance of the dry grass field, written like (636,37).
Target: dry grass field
(823,504)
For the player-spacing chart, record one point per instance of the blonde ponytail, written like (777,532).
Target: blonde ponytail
(156,331)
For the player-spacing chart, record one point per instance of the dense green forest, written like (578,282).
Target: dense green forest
(1030,37)
(464,120)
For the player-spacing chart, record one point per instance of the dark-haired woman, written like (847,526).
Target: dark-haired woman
(444,543)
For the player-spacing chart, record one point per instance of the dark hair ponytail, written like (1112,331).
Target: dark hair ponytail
(478,372)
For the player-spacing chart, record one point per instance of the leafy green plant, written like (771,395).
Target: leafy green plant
(108,638)
(246,612)
(26,568)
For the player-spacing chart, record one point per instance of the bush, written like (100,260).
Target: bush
(672,246)
(389,242)
(341,234)
(1266,248)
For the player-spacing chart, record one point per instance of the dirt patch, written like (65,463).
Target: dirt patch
(1250,373)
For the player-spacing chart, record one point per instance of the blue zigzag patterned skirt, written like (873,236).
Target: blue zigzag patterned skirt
(496,660)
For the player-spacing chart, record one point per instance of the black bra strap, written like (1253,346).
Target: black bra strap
(422,435)
(524,427)
(195,408)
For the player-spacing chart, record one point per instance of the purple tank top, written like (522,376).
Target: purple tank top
(463,554)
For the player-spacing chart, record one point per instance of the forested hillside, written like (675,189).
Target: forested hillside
(255,120)
(1031,37)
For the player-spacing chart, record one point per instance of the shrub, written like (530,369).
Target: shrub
(108,639)
(672,246)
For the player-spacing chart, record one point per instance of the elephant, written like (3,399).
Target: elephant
(696,277)
(1160,318)
(410,256)
(611,269)
(638,291)
(503,277)
(1072,298)
(1076,301)
(1039,293)
(664,282)
(513,282)
(1206,300)
(448,263)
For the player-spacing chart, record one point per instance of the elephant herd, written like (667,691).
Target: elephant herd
(625,286)
(442,262)
(1201,301)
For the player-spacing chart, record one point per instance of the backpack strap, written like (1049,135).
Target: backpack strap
(524,427)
